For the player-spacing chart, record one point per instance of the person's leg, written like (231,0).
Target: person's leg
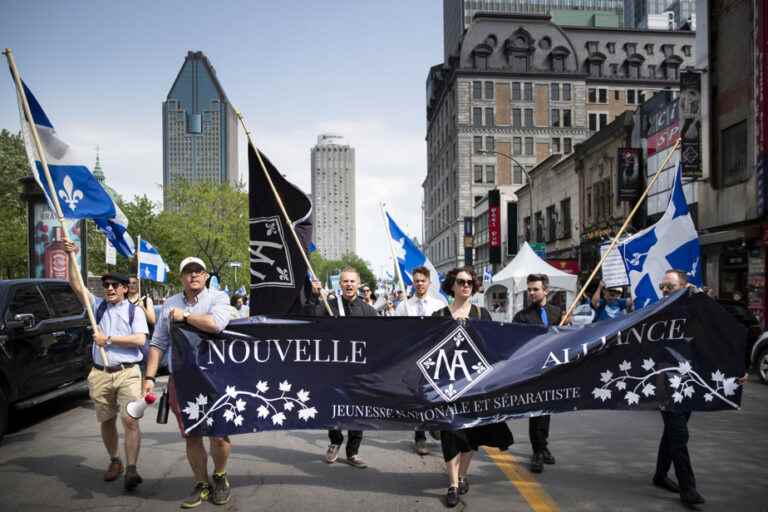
(464,461)
(452,468)
(420,435)
(132,439)
(220,449)
(198,458)
(677,424)
(354,438)
(109,436)
(336,437)
(538,432)
(663,460)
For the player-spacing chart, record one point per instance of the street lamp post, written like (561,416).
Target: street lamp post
(527,177)
(236,265)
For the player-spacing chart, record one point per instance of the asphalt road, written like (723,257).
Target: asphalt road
(53,460)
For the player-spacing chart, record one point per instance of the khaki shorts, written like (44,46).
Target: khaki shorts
(111,392)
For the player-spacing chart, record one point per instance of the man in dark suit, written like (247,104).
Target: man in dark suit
(346,304)
(539,312)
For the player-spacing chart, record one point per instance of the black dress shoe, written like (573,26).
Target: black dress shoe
(548,457)
(452,498)
(692,497)
(537,462)
(463,486)
(666,483)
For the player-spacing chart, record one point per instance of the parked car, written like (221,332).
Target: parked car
(45,342)
(760,357)
(745,317)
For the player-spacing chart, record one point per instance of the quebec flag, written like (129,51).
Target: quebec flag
(151,264)
(80,195)
(409,257)
(671,243)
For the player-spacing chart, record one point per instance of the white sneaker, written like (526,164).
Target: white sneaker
(357,462)
(332,454)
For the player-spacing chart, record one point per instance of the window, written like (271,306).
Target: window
(528,91)
(527,228)
(565,217)
(27,299)
(641,96)
(558,63)
(64,302)
(567,146)
(687,50)
(616,95)
(478,174)
(631,98)
(634,70)
(602,95)
(555,92)
(520,64)
(596,69)
(529,118)
(649,49)
(555,117)
(551,224)
(671,72)
(517,178)
(516,122)
(489,118)
(477,90)
(477,144)
(490,174)
(481,61)
(614,69)
(516,91)
(589,205)
(651,71)
(517,145)
(603,121)
(567,118)
(478,199)
(592,95)
(611,47)
(477,116)
(555,147)
(490,143)
(489,90)
(529,146)
(539,227)
(734,146)
(593,122)
(566,92)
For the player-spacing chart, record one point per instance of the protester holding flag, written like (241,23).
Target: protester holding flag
(539,312)
(114,384)
(458,445)
(207,310)
(608,304)
(349,303)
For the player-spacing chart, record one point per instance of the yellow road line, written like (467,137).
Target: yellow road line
(528,487)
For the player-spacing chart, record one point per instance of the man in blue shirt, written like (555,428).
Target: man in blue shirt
(116,382)
(610,305)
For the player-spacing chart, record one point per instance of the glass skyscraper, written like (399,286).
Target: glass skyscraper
(199,128)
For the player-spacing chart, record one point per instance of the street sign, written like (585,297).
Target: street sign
(539,248)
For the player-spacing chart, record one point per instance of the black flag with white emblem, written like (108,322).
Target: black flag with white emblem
(277,268)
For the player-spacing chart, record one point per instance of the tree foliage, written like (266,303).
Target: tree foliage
(324,268)
(13,212)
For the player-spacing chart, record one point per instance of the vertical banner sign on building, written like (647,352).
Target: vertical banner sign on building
(761,105)
(511,228)
(494,226)
(660,130)
(690,122)
(469,241)
(629,181)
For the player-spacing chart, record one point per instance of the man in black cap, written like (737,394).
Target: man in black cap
(116,382)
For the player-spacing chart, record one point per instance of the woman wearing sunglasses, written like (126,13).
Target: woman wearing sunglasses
(459,445)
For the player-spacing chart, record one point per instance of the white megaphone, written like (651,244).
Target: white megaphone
(136,408)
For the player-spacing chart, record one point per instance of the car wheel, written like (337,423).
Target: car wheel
(762,366)
(3,414)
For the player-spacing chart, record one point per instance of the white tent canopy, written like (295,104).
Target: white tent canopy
(513,278)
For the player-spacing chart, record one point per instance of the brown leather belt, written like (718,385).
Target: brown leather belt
(114,369)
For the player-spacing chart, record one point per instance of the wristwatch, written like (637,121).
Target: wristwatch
(109,340)
(186,316)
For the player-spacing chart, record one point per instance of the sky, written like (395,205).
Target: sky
(295,69)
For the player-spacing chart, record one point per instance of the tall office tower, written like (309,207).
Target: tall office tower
(199,128)
(333,196)
(660,14)
(458,14)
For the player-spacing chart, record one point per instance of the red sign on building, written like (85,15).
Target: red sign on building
(494,226)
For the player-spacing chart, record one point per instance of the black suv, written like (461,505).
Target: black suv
(45,341)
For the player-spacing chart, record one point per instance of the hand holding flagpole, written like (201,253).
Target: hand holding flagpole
(280,204)
(53,197)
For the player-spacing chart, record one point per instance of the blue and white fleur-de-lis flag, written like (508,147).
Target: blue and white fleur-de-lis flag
(409,257)
(151,264)
(279,281)
(80,195)
(671,243)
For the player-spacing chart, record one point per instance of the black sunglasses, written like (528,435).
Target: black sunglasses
(110,284)
(465,282)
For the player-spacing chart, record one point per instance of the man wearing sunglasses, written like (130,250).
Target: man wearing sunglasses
(114,383)
(209,311)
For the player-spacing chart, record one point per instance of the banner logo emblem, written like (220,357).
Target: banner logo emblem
(270,260)
(454,365)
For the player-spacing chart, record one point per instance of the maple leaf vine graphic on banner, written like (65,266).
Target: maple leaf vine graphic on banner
(682,379)
(233,404)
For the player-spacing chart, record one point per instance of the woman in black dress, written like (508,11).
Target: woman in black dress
(459,445)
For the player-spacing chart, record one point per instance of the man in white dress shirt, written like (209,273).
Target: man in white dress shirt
(421,304)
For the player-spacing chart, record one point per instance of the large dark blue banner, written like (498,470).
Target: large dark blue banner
(269,373)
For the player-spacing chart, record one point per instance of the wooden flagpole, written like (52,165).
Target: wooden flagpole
(282,208)
(621,232)
(394,259)
(52,189)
